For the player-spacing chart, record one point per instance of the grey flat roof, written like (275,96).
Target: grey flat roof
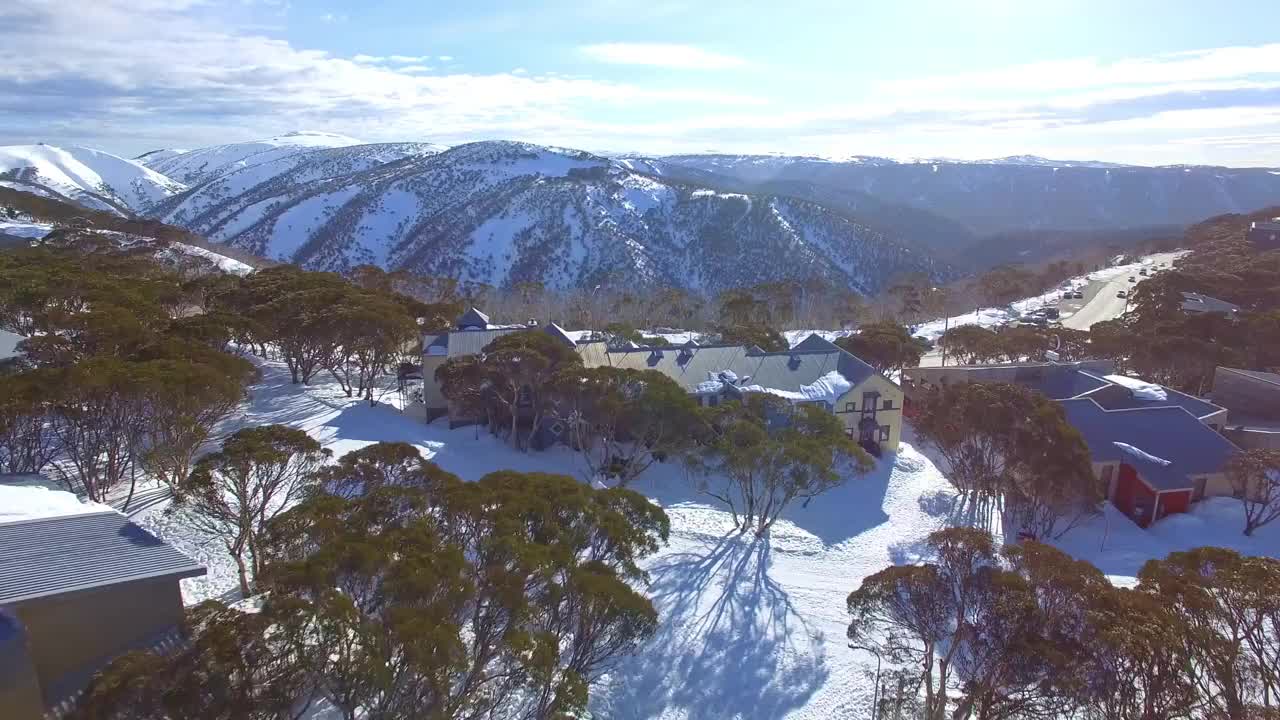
(54,556)
(1266,377)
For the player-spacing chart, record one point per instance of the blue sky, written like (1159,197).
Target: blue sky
(1122,80)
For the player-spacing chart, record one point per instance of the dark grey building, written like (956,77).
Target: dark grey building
(83,590)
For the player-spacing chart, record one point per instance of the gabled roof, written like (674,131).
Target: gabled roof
(473,318)
(58,555)
(1168,433)
(691,366)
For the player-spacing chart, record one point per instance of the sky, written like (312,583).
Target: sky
(1130,81)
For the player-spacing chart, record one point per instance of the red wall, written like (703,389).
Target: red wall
(1174,502)
(1130,490)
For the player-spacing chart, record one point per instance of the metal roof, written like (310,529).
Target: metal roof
(9,344)
(691,365)
(473,318)
(1266,377)
(54,556)
(1119,397)
(1196,302)
(1168,433)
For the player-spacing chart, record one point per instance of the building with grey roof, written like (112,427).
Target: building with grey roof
(1253,397)
(85,589)
(1155,461)
(815,370)
(1156,449)
(1265,235)
(1198,304)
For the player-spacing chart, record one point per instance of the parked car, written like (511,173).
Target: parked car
(1122,294)
(1077,295)
(1133,279)
(1052,313)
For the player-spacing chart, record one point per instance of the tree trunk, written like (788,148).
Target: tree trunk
(241,571)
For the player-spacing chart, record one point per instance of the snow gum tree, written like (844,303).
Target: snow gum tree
(885,346)
(758,455)
(234,493)
(412,594)
(621,421)
(1009,445)
(1255,479)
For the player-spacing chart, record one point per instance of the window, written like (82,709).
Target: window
(888,404)
(869,402)
(884,433)
(849,407)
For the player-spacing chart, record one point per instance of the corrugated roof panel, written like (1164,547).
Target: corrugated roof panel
(52,556)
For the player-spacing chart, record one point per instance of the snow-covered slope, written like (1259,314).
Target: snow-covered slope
(505,212)
(156,156)
(91,178)
(196,166)
(1014,193)
(229,192)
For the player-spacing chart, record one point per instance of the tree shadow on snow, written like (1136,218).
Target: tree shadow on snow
(729,644)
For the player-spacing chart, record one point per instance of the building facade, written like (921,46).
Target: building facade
(80,590)
(1156,450)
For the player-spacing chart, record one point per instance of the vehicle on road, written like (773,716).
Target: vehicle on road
(1077,295)
(1122,294)
(1133,279)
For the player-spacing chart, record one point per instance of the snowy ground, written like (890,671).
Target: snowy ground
(750,628)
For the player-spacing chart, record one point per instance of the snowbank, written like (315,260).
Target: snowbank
(1141,389)
(1141,454)
(33,502)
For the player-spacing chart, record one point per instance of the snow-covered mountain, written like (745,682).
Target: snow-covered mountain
(1006,194)
(92,178)
(229,196)
(505,212)
(193,167)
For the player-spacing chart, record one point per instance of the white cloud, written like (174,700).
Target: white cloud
(415,69)
(368,59)
(519,71)
(667,55)
(1167,70)
(332,18)
(445,58)
(409,59)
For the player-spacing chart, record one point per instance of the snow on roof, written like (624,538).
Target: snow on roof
(828,389)
(33,502)
(1140,388)
(1141,454)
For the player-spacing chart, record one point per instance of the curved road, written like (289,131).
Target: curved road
(1103,303)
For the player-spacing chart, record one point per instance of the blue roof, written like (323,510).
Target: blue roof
(1063,382)
(1119,397)
(1168,433)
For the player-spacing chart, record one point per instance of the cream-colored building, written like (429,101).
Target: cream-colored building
(814,371)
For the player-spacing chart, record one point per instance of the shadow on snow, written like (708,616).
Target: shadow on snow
(723,618)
